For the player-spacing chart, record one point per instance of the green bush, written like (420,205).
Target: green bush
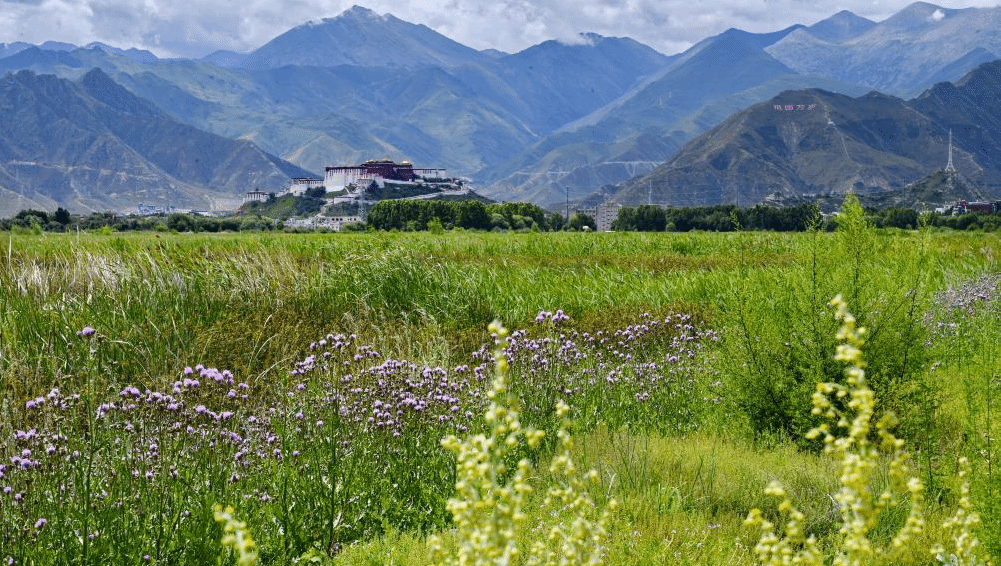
(778,342)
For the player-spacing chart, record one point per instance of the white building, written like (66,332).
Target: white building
(298,186)
(256,196)
(336,178)
(605,214)
(335,223)
(153,209)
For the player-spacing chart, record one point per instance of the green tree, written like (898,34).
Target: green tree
(780,342)
(62,216)
(180,222)
(579,220)
(435,227)
(472,215)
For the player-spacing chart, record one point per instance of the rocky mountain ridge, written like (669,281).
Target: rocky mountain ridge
(805,142)
(900,55)
(92,145)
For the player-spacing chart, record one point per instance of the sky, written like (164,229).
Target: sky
(194,28)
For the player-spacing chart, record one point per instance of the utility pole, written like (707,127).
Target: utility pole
(567,187)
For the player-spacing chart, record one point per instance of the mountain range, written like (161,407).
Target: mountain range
(92,145)
(638,132)
(553,119)
(903,55)
(812,141)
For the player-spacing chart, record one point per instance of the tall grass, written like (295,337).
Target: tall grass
(314,329)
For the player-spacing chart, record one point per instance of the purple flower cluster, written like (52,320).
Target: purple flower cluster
(960,301)
(556,318)
(383,396)
(207,428)
(611,373)
(128,438)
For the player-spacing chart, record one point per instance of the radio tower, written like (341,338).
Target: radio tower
(949,167)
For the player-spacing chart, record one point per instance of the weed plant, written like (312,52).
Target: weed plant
(490,497)
(966,339)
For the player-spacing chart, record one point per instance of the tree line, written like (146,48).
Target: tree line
(420,215)
(62,221)
(728,218)
(721,218)
(417,215)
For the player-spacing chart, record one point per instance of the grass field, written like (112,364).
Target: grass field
(307,379)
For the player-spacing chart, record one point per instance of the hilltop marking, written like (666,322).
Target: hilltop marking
(793,107)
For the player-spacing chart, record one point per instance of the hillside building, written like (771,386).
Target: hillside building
(154,209)
(256,196)
(380,170)
(335,223)
(299,185)
(962,207)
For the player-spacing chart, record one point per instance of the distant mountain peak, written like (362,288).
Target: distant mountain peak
(840,27)
(586,39)
(58,46)
(759,40)
(921,6)
(917,16)
(96,74)
(104,89)
(362,12)
(360,37)
(33,55)
(737,47)
(353,16)
(139,55)
(357,15)
(846,15)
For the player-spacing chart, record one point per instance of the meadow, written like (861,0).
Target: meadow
(307,380)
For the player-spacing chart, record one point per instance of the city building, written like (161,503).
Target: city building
(605,214)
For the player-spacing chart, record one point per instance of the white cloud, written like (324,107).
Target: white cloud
(937,16)
(197,27)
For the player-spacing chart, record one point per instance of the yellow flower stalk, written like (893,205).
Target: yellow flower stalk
(489,513)
(850,407)
(236,536)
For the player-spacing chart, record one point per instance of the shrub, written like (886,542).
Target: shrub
(778,341)
(859,501)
